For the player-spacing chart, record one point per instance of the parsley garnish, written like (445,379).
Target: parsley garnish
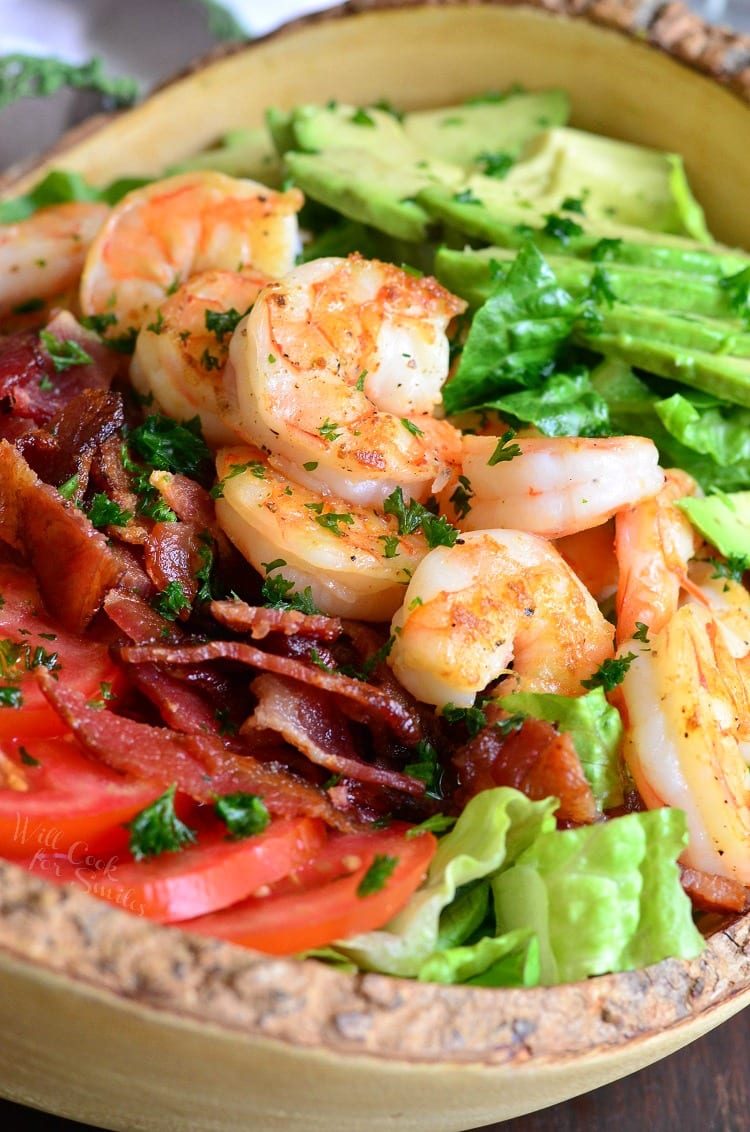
(573,204)
(243,814)
(104,512)
(466,197)
(157,325)
(221,323)
(496,165)
(279,593)
(732,568)
(600,288)
(610,672)
(473,717)
(411,427)
(15,659)
(376,876)
(254,466)
(504,450)
(329,430)
(641,633)
(427,768)
(606,248)
(362,118)
(27,759)
(157,829)
(171,601)
(461,498)
(64,354)
(561,228)
(171,446)
(436,529)
(390,545)
(105,693)
(438,823)
(11,697)
(68,489)
(209,361)
(331,521)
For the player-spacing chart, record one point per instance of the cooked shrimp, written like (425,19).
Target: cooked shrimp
(160,235)
(555,486)
(180,359)
(494,598)
(591,554)
(654,543)
(352,558)
(687,740)
(337,372)
(44,255)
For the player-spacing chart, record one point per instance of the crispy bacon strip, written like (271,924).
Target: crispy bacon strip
(259,621)
(138,620)
(372,700)
(311,723)
(201,765)
(711,893)
(65,446)
(71,559)
(536,760)
(173,554)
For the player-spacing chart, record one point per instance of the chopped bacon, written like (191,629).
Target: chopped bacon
(534,759)
(65,446)
(29,384)
(180,706)
(110,476)
(173,554)
(373,701)
(201,765)
(189,501)
(711,893)
(71,559)
(131,613)
(311,722)
(259,621)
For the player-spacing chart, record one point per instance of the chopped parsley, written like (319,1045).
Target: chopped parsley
(437,823)
(222,323)
(732,568)
(412,515)
(172,601)
(243,814)
(68,489)
(105,693)
(561,228)
(331,521)
(411,427)
(461,498)
(427,768)
(605,249)
(329,430)
(362,118)
(11,697)
(504,450)
(15,659)
(65,353)
(473,718)
(466,196)
(171,446)
(641,632)
(27,759)
(254,466)
(104,512)
(279,593)
(157,829)
(496,165)
(390,545)
(610,672)
(377,875)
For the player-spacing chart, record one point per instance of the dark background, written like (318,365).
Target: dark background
(702,1088)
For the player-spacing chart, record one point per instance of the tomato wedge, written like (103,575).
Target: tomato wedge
(69,803)
(320,903)
(28,639)
(211,874)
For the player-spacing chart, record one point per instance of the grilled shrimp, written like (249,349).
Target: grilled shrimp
(494,598)
(44,255)
(160,235)
(687,736)
(180,357)
(352,558)
(554,486)
(654,543)
(337,372)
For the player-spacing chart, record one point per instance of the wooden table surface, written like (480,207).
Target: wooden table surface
(702,1088)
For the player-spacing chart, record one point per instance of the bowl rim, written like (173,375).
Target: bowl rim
(51,928)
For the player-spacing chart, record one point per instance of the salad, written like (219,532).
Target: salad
(375,517)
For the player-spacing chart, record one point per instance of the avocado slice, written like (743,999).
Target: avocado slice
(723,520)
(474,134)
(241,153)
(471,273)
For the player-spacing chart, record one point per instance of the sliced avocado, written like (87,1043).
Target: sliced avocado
(465,213)
(723,519)
(317,129)
(686,332)
(241,153)
(280,125)
(473,134)
(471,274)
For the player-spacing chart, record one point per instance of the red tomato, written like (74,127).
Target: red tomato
(212,873)
(70,802)
(84,664)
(320,902)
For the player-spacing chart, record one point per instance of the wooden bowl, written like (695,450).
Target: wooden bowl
(110,1019)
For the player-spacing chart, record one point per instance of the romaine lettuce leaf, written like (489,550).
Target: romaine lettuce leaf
(595,728)
(714,429)
(493,829)
(510,960)
(565,405)
(601,898)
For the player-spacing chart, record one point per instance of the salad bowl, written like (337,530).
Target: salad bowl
(113,1020)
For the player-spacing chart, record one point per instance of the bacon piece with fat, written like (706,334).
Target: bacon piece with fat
(109,474)
(201,765)
(259,621)
(66,445)
(173,554)
(311,723)
(72,562)
(711,893)
(535,759)
(133,615)
(372,701)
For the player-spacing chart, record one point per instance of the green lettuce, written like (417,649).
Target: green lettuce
(565,405)
(601,898)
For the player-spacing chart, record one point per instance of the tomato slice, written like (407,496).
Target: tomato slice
(320,902)
(69,802)
(211,874)
(84,664)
